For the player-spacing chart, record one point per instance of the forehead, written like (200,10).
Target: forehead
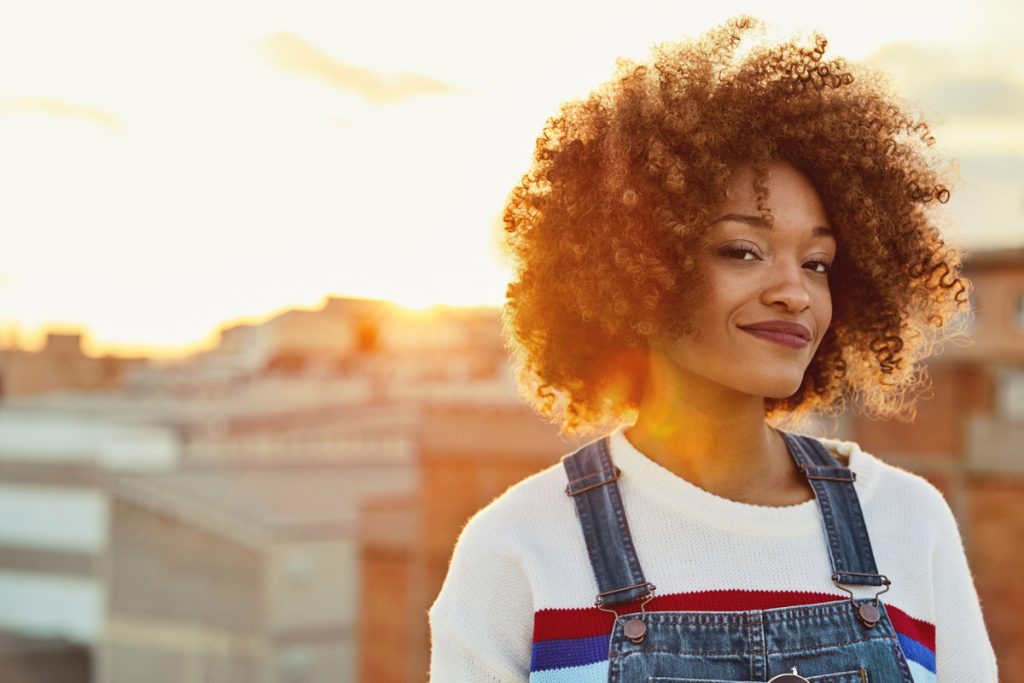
(791,197)
(816,230)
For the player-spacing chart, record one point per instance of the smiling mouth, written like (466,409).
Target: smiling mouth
(783,338)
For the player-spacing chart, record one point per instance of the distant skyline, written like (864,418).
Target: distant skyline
(168,169)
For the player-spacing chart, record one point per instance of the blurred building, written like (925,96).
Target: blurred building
(365,432)
(31,659)
(53,513)
(54,530)
(199,518)
(61,365)
(283,507)
(468,454)
(377,341)
(967,440)
(237,574)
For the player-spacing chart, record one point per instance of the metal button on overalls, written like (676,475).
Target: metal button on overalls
(843,641)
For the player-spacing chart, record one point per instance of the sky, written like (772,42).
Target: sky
(168,168)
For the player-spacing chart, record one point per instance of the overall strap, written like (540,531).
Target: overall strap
(592,486)
(849,548)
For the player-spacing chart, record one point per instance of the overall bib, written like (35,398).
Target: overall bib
(845,641)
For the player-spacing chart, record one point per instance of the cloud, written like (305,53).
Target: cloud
(992,200)
(60,109)
(960,85)
(291,53)
(979,98)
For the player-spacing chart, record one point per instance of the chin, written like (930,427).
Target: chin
(782,387)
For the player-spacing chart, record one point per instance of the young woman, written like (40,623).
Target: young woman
(710,248)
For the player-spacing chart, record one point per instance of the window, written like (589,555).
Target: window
(295,663)
(299,567)
(1011,396)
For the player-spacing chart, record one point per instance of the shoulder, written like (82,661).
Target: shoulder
(887,484)
(481,620)
(522,511)
(510,546)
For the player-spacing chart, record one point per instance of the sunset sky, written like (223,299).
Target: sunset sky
(169,167)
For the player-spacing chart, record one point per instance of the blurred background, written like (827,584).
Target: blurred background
(251,378)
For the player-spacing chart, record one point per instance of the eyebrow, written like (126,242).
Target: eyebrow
(758,222)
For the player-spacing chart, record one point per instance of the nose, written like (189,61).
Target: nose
(787,286)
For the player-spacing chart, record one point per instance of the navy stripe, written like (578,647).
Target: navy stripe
(558,654)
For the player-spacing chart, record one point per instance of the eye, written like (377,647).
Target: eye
(739,252)
(825,267)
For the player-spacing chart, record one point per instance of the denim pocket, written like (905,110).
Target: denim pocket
(857,676)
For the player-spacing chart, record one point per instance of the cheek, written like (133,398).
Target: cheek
(824,312)
(709,314)
(723,295)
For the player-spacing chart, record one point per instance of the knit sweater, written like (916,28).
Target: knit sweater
(518,600)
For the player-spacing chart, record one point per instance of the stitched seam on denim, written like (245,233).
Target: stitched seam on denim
(591,507)
(761,666)
(848,497)
(842,606)
(860,529)
(600,475)
(847,677)
(840,643)
(584,512)
(821,492)
(620,653)
(623,654)
(783,615)
(827,678)
(626,539)
(901,659)
(841,677)
(827,518)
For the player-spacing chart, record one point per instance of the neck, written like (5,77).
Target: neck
(714,437)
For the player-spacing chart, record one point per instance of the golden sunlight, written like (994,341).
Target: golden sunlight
(285,156)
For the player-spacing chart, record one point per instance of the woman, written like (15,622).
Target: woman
(711,247)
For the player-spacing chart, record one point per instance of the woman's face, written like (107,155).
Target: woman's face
(759,275)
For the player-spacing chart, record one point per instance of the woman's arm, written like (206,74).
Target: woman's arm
(963,651)
(481,625)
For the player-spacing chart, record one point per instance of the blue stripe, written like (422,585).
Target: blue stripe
(917,652)
(918,672)
(559,654)
(592,673)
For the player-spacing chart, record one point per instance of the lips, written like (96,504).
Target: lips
(781,327)
(782,332)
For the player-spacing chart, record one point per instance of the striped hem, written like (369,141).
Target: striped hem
(572,644)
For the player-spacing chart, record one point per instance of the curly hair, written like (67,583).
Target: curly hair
(603,227)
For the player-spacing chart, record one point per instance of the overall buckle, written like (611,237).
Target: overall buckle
(635,629)
(867,613)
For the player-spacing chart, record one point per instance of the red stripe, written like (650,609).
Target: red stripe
(919,630)
(557,624)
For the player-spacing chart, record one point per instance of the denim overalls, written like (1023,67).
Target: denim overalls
(844,641)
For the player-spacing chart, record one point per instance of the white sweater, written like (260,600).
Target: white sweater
(520,573)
